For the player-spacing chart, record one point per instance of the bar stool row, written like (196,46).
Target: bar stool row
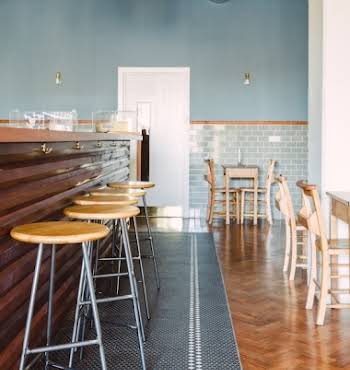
(115,204)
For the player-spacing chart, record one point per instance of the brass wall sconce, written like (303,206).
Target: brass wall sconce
(58,79)
(247,78)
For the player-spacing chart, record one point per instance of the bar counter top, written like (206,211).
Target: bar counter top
(41,171)
(25,135)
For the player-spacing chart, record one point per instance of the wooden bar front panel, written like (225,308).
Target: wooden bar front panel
(35,186)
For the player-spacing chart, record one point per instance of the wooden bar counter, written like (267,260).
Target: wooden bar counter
(40,171)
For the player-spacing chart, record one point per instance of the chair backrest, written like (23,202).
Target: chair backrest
(283,201)
(210,176)
(270,175)
(310,216)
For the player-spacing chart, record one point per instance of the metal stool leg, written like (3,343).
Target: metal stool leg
(86,312)
(76,325)
(95,314)
(141,269)
(119,263)
(134,280)
(50,304)
(31,307)
(133,287)
(151,241)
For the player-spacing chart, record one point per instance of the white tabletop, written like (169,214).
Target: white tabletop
(341,196)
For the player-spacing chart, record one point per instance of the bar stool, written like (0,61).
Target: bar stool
(53,233)
(134,193)
(117,201)
(122,200)
(133,186)
(105,213)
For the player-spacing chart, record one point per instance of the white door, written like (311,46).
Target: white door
(167,90)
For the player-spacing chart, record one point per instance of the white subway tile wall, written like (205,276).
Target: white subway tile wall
(221,142)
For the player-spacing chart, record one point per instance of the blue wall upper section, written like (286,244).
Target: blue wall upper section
(88,39)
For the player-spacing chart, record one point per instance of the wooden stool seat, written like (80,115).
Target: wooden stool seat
(132,185)
(105,200)
(101,212)
(59,232)
(118,192)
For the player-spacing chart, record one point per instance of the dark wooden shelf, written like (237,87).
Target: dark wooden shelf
(24,135)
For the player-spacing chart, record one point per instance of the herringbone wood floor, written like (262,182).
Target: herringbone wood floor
(273,329)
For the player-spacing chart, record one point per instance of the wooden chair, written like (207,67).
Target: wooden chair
(296,234)
(214,191)
(266,200)
(311,217)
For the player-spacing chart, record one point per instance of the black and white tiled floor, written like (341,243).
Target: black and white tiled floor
(190,326)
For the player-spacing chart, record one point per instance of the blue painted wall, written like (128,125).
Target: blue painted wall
(88,39)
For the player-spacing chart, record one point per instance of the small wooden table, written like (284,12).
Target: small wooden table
(339,210)
(241,172)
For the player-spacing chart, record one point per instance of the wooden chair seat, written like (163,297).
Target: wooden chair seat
(251,190)
(117,192)
(122,200)
(300,227)
(231,190)
(59,232)
(101,212)
(132,185)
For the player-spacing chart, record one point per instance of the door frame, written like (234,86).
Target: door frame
(122,73)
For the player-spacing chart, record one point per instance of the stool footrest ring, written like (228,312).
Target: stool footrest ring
(58,366)
(114,274)
(60,347)
(109,299)
(118,325)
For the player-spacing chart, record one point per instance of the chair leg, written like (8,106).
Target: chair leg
(212,207)
(31,307)
(294,254)
(255,208)
(237,208)
(313,277)
(322,304)
(209,205)
(287,249)
(268,209)
(242,206)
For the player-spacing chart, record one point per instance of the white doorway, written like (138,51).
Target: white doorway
(167,91)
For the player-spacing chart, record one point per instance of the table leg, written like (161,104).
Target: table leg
(333,231)
(227,195)
(255,210)
(333,234)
